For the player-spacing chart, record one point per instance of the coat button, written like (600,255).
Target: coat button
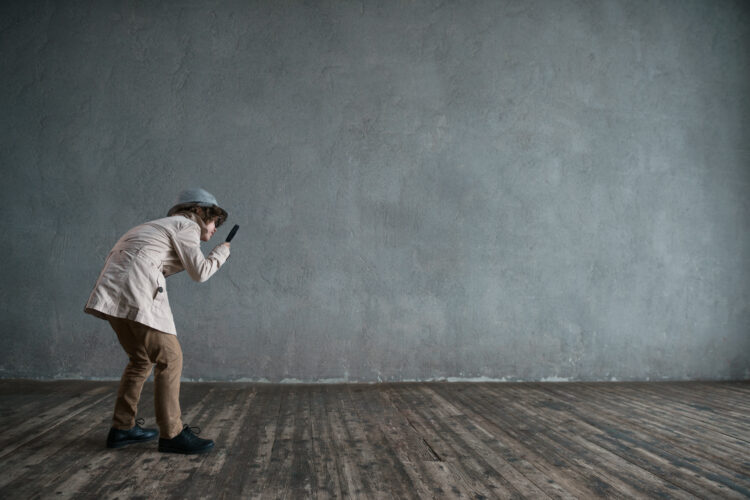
(160,289)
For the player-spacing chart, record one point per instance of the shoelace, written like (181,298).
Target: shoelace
(139,422)
(193,430)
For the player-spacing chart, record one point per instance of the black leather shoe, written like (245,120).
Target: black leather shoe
(118,438)
(186,442)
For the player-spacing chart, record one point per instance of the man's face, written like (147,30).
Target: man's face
(210,230)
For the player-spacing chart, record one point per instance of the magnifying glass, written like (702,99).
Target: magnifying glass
(232,232)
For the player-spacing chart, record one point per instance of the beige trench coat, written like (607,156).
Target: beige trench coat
(132,284)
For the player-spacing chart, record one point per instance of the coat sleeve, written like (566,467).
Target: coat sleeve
(188,249)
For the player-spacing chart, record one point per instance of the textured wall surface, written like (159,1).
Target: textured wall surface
(513,190)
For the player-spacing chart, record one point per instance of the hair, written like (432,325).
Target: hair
(205,213)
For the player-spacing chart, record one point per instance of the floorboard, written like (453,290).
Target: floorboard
(416,440)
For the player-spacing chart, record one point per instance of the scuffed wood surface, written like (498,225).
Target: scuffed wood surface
(430,440)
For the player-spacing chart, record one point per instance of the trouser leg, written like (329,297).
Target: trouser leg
(166,352)
(133,377)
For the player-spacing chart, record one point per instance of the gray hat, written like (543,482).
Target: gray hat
(195,196)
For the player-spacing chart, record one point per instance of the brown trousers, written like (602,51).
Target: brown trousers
(146,347)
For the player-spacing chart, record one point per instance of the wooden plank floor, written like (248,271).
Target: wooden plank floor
(431,440)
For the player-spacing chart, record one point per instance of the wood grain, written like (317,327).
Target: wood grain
(428,440)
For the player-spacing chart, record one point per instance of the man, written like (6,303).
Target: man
(131,294)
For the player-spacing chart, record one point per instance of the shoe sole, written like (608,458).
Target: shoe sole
(122,444)
(164,449)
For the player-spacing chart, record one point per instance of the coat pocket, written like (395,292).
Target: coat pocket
(159,289)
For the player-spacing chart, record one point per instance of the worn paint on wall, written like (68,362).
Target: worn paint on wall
(514,190)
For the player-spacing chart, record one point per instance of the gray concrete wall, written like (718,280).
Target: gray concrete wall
(513,190)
